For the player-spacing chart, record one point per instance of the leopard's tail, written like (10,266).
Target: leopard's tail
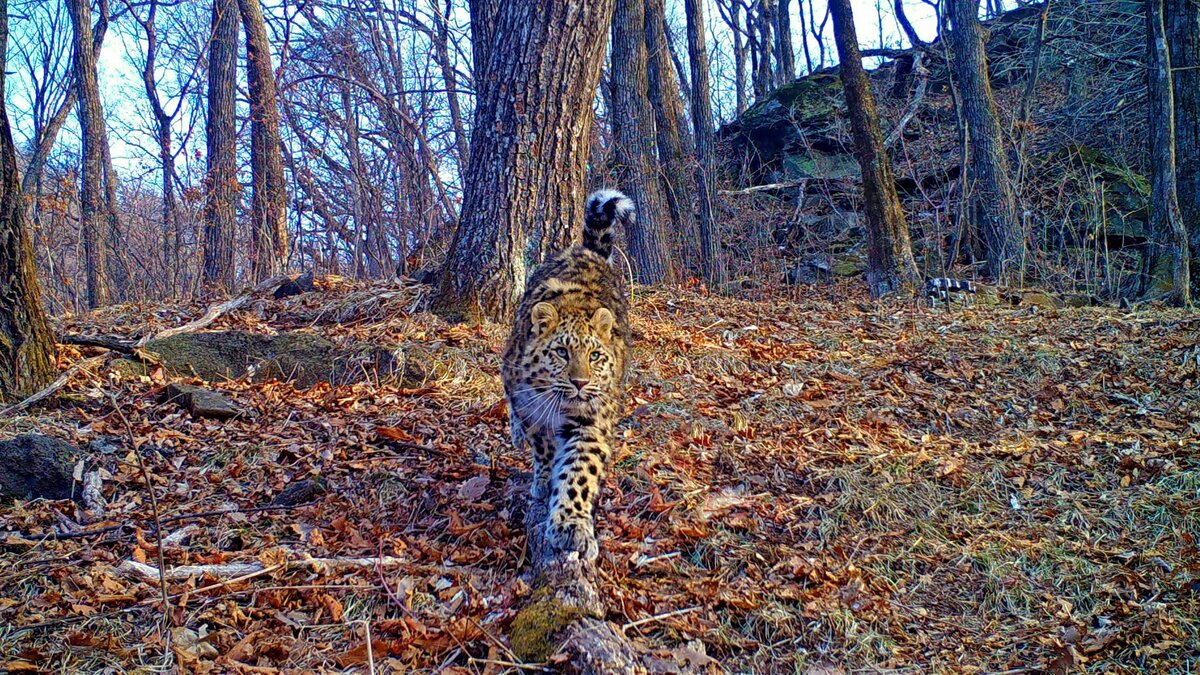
(605,207)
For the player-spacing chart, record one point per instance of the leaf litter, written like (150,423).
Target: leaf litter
(816,484)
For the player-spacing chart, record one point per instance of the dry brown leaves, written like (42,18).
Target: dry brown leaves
(815,481)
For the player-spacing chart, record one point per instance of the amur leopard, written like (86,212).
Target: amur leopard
(564,373)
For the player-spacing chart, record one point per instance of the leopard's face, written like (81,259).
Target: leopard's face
(571,356)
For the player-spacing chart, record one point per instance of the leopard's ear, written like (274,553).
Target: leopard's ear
(544,318)
(602,321)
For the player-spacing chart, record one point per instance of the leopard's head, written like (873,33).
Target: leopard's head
(571,352)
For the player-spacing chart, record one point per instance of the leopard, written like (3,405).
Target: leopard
(564,373)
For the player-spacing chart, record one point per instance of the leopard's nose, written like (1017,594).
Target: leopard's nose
(580,383)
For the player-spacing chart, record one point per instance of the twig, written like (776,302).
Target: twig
(184,572)
(764,188)
(918,96)
(137,453)
(171,519)
(55,385)
(658,617)
(109,342)
(370,648)
(215,312)
(511,664)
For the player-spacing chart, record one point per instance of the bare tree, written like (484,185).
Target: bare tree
(268,223)
(1171,261)
(890,265)
(93,220)
(633,143)
(710,231)
(731,13)
(992,204)
(537,66)
(675,142)
(26,343)
(221,183)
(1182,18)
(785,56)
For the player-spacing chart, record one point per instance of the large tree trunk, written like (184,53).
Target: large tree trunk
(26,343)
(890,265)
(1171,258)
(268,224)
(220,217)
(992,205)
(675,143)
(633,143)
(93,220)
(540,64)
(1182,19)
(710,230)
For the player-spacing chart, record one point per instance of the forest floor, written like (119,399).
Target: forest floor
(806,483)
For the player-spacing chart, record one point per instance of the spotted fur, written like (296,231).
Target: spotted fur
(564,373)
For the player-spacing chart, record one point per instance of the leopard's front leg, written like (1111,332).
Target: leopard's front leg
(579,463)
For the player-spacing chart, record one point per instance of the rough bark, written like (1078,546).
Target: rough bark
(710,228)
(268,222)
(785,56)
(26,343)
(633,143)
(675,143)
(222,187)
(93,212)
(524,192)
(890,265)
(1182,18)
(991,202)
(762,48)
(1171,257)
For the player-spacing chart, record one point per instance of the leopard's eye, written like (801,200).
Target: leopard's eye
(562,351)
(596,355)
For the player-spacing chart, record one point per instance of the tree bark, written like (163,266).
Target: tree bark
(93,219)
(710,230)
(1182,18)
(633,139)
(991,203)
(525,181)
(890,265)
(675,142)
(268,224)
(785,56)
(26,343)
(762,45)
(220,218)
(1171,258)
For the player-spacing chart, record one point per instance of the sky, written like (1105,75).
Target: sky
(129,126)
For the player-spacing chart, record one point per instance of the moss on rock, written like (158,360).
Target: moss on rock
(533,630)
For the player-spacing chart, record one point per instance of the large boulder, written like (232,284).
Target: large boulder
(792,133)
(303,359)
(37,467)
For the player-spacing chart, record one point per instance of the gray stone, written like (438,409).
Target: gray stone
(201,402)
(37,467)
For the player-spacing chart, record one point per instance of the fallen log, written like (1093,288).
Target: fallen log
(216,311)
(564,620)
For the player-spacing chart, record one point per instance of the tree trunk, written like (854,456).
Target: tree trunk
(529,145)
(633,143)
(763,46)
(26,343)
(93,221)
(890,265)
(268,223)
(220,218)
(739,54)
(1182,19)
(710,230)
(785,56)
(992,205)
(1171,258)
(675,143)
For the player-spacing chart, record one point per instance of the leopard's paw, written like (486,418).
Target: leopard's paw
(573,533)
